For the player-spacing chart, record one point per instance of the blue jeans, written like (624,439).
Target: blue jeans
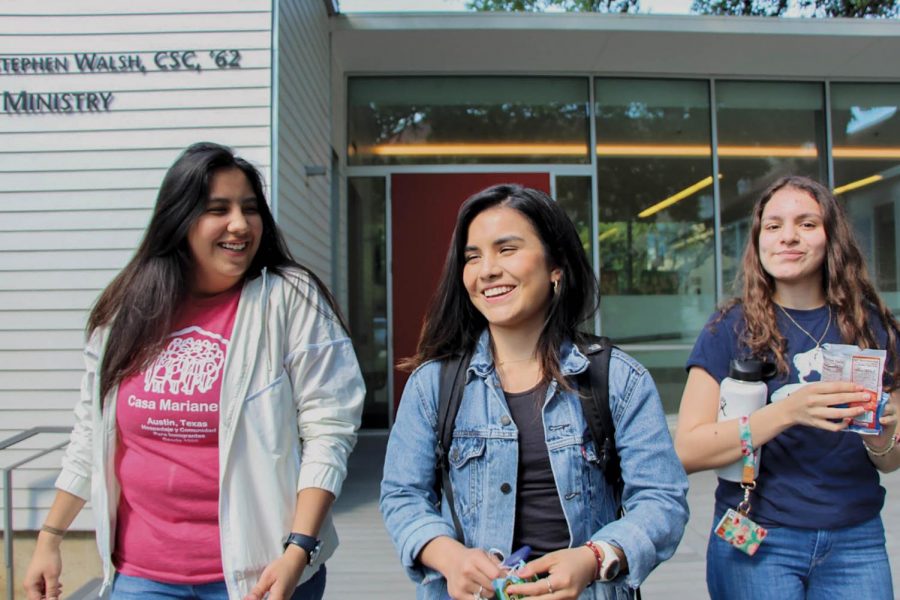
(812,564)
(125,587)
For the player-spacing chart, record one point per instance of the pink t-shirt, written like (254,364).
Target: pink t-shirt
(167,462)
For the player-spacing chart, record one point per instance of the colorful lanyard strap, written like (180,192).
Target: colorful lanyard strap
(749,453)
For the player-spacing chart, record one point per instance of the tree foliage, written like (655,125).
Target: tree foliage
(603,6)
(806,8)
(853,8)
(756,8)
(753,8)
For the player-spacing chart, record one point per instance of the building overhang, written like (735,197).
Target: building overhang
(614,44)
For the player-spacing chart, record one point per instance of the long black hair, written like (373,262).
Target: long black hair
(141,303)
(452,324)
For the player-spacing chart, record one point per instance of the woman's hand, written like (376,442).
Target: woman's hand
(280,578)
(813,404)
(472,572)
(42,576)
(888,422)
(569,572)
(469,571)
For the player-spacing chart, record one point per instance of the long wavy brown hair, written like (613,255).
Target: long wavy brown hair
(845,280)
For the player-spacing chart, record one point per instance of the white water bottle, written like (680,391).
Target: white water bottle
(741,393)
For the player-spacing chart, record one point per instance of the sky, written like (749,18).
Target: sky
(678,7)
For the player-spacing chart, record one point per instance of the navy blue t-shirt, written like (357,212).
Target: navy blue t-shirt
(809,477)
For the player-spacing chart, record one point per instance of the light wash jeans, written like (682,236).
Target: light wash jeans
(125,587)
(811,564)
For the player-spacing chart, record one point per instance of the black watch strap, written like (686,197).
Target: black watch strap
(307,542)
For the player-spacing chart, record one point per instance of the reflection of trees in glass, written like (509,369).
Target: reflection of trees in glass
(637,122)
(788,126)
(656,254)
(647,258)
(574,195)
(630,185)
(511,122)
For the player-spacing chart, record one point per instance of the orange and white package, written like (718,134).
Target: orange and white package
(844,362)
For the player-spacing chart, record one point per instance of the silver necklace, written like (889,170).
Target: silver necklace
(817,351)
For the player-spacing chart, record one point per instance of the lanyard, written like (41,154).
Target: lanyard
(750,455)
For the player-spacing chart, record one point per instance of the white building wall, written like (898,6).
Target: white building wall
(76,187)
(305,210)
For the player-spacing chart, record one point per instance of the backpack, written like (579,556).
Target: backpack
(593,384)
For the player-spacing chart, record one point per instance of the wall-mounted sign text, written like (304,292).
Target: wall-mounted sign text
(168,61)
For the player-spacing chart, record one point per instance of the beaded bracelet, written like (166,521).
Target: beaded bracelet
(884,452)
(598,555)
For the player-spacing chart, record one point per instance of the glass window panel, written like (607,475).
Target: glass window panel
(765,130)
(574,194)
(656,227)
(428,120)
(367,279)
(866,152)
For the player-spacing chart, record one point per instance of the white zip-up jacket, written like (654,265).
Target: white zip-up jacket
(291,403)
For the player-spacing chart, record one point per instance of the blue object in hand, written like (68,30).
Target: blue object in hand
(512,561)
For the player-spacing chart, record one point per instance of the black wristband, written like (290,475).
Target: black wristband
(307,542)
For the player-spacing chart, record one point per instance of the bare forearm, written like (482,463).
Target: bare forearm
(313,505)
(63,511)
(713,445)
(704,443)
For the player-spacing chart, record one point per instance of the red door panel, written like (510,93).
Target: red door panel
(423,212)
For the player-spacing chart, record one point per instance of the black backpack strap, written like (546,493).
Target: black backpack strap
(597,413)
(453,383)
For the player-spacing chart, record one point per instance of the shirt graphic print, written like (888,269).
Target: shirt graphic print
(179,382)
(167,457)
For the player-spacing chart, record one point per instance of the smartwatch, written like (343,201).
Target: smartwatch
(609,568)
(310,544)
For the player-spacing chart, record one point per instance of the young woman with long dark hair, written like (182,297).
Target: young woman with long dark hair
(220,403)
(803,284)
(515,288)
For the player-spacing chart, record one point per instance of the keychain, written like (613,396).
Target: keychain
(513,563)
(736,527)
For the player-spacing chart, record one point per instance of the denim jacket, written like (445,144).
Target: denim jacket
(484,456)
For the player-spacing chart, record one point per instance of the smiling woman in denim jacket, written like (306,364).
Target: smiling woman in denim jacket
(220,402)
(515,287)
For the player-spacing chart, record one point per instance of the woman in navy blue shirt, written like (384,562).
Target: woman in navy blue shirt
(803,284)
